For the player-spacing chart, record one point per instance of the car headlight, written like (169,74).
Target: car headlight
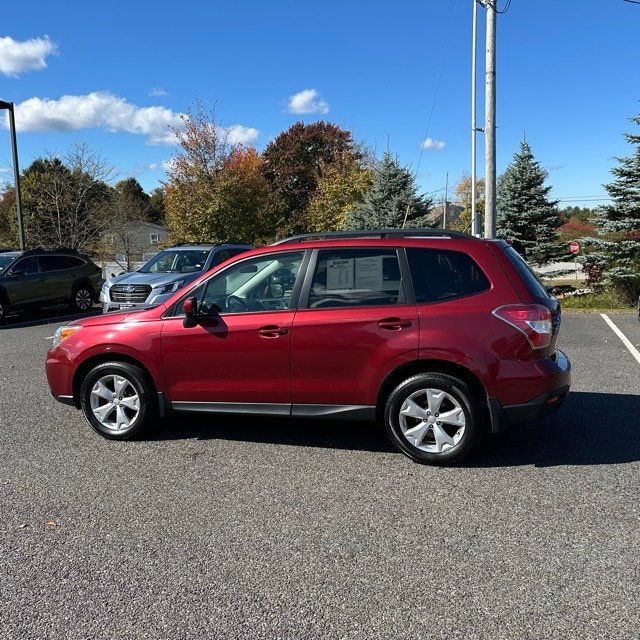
(172,287)
(105,286)
(62,333)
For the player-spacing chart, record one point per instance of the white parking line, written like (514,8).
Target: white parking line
(625,341)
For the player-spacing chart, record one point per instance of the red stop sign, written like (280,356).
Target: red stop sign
(575,247)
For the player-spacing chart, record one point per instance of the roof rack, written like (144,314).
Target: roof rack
(378,233)
(56,250)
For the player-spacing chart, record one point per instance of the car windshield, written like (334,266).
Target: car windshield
(6,258)
(176,261)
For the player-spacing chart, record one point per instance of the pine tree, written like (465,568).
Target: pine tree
(525,215)
(617,251)
(392,200)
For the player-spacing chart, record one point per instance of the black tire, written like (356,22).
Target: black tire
(434,419)
(81,298)
(4,308)
(117,400)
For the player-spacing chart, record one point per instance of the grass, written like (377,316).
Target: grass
(604,302)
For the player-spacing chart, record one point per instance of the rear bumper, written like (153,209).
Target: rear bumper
(543,404)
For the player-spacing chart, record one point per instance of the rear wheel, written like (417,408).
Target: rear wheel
(117,400)
(433,418)
(82,298)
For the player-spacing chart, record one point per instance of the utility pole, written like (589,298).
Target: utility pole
(16,171)
(490,123)
(476,222)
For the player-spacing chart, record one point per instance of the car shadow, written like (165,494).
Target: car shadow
(329,434)
(46,315)
(590,429)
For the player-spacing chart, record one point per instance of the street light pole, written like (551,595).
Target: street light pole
(16,170)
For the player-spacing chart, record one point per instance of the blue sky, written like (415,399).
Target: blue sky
(116,76)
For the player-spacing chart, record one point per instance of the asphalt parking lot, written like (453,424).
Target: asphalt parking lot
(273,529)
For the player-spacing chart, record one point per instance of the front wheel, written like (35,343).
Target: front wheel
(117,400)
(433,418)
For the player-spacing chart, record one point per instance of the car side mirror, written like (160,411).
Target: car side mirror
(190,308)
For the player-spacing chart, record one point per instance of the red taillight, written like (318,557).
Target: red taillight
(533,320)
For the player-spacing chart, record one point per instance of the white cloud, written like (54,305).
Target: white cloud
(237,134)
(103,110)
(19,57)
(157,91)
(436,145)
(98,110)
(307,101)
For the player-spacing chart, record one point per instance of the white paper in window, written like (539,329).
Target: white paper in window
(340,274)
(369,273)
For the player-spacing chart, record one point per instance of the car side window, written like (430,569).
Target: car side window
(26,265)
(264,283)
(53,263)
(356,277)
(441,274)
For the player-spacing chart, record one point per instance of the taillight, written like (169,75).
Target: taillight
(533,320)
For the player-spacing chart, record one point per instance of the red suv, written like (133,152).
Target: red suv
(439,335)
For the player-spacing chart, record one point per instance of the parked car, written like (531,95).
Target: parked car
(441,336)
(36,278)
(166,272)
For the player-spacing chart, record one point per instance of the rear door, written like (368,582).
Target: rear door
(355,325)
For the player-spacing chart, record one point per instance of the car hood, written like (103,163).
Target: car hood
(152,279)
(137,314)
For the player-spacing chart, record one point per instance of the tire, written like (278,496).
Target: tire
(434,419)
(81,298)
(117,400)
(4,308)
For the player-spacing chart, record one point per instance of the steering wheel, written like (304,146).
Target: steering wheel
(234,304)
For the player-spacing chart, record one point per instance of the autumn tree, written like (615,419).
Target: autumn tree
(243,193)
(392,200)
(203,192)
(525,215)
(295,164)
(67,201)
(464,191)
(341,188)
(8,219)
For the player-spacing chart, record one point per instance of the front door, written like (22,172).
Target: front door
(238,353)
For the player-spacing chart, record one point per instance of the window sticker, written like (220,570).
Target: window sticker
(340,274)
(369,273)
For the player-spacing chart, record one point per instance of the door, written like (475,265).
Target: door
(357,327)
(24,283)
(237,356)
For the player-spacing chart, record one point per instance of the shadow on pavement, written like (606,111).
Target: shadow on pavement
(590,429)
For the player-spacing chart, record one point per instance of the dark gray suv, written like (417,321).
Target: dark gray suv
(36,278)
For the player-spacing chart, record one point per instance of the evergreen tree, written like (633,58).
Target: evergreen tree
(525,215)
(392,201)
(617,251)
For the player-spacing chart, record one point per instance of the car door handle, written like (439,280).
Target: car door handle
(394,324)
(272,331)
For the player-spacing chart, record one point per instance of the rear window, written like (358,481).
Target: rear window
(532,281)
(440,274)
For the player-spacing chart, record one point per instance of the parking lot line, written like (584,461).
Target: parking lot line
(625,341)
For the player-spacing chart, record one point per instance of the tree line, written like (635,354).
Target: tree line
(312,178)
